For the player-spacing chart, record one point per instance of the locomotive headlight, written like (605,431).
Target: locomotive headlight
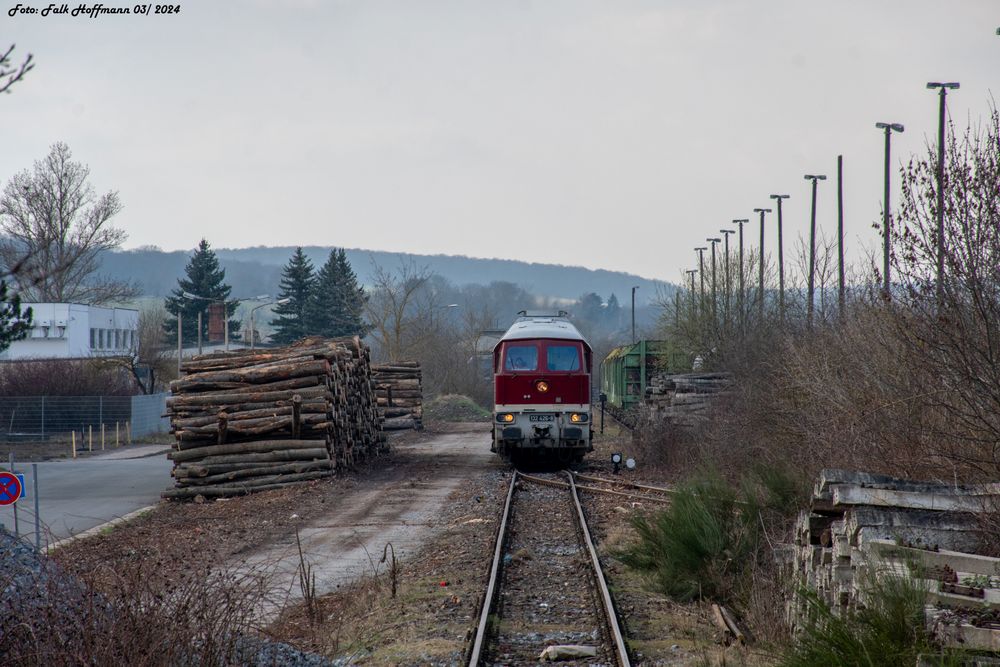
(542,386)
(505,417)
(579,417)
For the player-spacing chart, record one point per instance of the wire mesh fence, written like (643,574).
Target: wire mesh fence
(45,418)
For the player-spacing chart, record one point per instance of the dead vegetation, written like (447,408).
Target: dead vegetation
(905,384)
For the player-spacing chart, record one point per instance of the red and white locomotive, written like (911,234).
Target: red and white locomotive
(541,389)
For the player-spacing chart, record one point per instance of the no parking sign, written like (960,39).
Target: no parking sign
(11,487)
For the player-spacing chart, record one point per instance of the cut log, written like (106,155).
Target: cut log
(261,471)
(240,448)
(243,488)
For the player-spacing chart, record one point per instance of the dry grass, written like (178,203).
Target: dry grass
(131,615)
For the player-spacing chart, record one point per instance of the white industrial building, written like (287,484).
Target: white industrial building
(76,331)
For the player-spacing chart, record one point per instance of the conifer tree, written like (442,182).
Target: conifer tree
(297,283)
(337,301)
(204,278)
(14,322)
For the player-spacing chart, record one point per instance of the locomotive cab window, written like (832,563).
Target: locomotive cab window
(564,358)
(521,358)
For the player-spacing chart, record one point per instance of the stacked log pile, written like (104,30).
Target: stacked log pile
(251,421)
(684,399)
(861,527)
(399,394)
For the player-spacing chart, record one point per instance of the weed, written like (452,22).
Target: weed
(307,584)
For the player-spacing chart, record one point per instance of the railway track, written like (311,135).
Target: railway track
(546,585)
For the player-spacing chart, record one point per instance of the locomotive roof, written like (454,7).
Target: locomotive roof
(543,327)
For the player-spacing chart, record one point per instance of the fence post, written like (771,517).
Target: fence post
(117,444)
(43,418)
(73,440)
(90,436)
(102,436)
(128,433)
(100,409)
(34,492)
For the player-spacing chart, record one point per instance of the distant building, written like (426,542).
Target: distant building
(76,331)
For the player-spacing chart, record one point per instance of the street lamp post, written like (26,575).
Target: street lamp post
(886,207)
(180,345)
(633,313)
(715,311)
(812,248)
(726,281)
(743,291)
(253,310)
(942,109)
(691,273)
(781,260)
(701,276)
(760,287)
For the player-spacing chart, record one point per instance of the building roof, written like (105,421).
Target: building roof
(543,327)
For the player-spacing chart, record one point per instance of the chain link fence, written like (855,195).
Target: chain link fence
(43,418)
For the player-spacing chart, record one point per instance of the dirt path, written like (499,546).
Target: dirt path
(400,504)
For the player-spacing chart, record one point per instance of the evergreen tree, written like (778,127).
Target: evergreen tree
(613,312)
(297,283)
(337,302)
(204,278)
(14,322)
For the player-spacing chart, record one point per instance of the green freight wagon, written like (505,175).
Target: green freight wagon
(627,369)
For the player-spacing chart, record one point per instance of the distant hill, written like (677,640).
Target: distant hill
(253,271)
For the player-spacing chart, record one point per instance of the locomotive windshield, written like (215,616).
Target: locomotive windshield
(521,358)
(562,358)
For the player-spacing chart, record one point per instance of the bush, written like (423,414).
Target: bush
(889,632)
(700,546)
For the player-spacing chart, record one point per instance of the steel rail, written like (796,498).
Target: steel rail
(592,489)
(480,642)
(634,485)
(609,606)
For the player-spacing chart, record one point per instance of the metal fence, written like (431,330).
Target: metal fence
(41,418)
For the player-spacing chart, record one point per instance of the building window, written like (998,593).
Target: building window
(93,339)
(118,339)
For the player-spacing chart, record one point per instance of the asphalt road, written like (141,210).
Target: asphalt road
(81,494)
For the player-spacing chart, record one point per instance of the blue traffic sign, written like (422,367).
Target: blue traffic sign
(11,487)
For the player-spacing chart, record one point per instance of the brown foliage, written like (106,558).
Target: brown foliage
(64,377)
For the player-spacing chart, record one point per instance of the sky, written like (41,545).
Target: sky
(616,134)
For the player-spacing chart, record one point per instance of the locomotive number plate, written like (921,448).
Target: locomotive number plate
(540,418)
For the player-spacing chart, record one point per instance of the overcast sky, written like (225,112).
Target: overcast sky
(610,134)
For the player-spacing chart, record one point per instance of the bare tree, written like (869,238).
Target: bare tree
(11,74)
(55,228)
(950,324)
(148,361)
(397,313)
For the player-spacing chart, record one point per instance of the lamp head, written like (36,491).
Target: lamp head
(740,221)
(949,84)
(762,210)
(780,197)
(815,177)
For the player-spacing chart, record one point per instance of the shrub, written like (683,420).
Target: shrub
(701,545)
(890,631)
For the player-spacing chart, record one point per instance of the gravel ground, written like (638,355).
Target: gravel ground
(547,593)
